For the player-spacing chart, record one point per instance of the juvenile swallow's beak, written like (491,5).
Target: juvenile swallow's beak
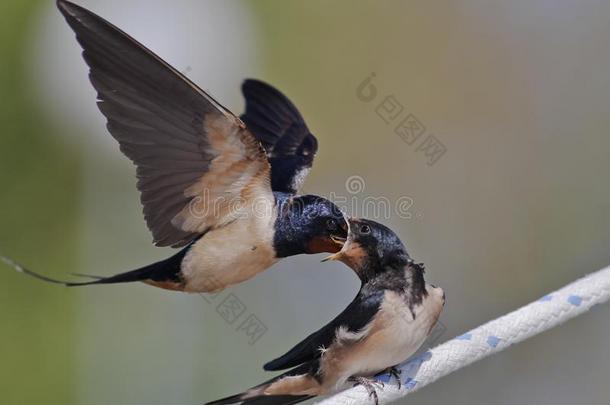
(340,254)
(339,239)
(336,256)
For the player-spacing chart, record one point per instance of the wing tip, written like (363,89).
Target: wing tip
(233,399)
(251,82)
(68,8)
(79,17)
(272,365)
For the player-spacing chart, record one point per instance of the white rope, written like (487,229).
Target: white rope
(547,312)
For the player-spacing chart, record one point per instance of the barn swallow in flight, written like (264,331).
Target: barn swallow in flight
(391,316)
(222,188)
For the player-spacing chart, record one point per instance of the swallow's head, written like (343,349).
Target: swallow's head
(371,247)
(311,224)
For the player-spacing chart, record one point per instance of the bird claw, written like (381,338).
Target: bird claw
(395,372)
(369,384)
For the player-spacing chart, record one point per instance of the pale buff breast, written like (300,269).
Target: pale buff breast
(391,338)
(233,253)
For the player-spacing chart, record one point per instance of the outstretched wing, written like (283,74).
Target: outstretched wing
(279,126)
(194,158)
(354,318)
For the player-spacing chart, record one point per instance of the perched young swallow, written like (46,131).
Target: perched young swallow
(385,324)
(221,187)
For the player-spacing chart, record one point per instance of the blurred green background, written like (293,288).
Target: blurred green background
(517,92)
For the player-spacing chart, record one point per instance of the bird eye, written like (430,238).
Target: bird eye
(364,229)
(331,224)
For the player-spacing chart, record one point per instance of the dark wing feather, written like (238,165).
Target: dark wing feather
(182,141)
(267,399)
(281,129)
(277,400)
(356,316)
(261,400)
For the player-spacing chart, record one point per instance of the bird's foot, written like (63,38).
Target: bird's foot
(369,384)
(395,372)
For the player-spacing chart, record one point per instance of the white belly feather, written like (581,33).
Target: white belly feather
(401,334)
(390,339)
(231,254)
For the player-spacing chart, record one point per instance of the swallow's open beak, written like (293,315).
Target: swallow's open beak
(339,255)
(339,240)
(341,236)
(330,243)
(336,256)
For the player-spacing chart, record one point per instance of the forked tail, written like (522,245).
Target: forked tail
(163,272)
